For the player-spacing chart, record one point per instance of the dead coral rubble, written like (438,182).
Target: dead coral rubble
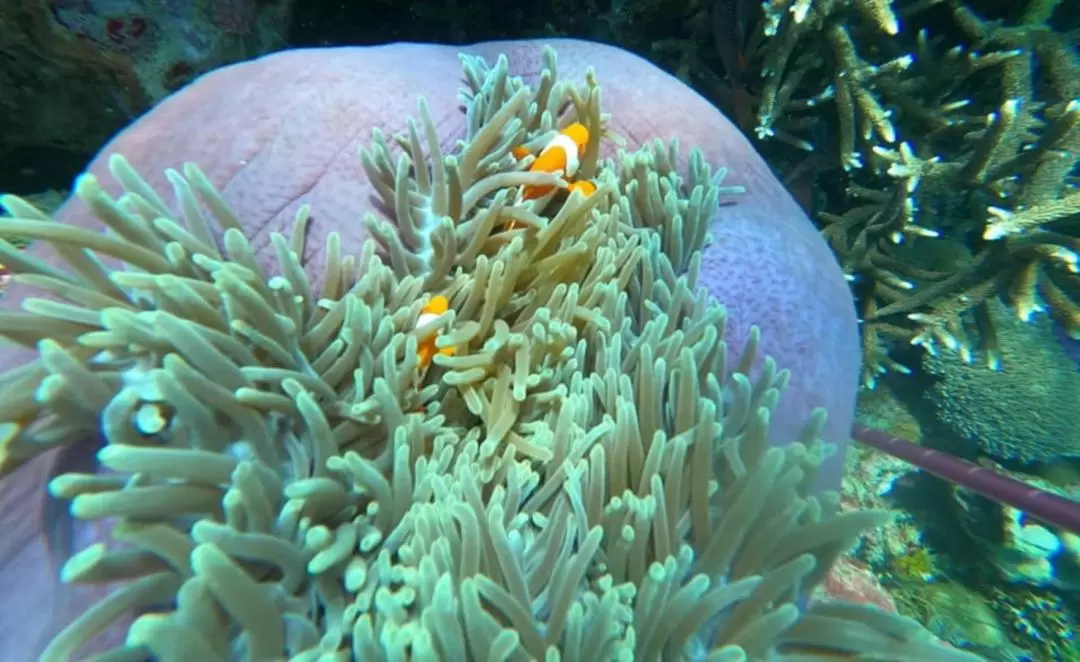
(965,154)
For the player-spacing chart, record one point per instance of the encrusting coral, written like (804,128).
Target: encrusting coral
(587,477)
(979,404)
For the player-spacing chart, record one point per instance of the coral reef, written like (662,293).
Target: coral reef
(166,43)
(1021,549)
(35,52)
(873,40)
(589,474)
(868,480)
(1040,620)
(915,566)
(1046,506)
(970,146)
(920,141)
(853,581)
(980,405)
(977,573)
(962,617)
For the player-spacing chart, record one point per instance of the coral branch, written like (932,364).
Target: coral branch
(952,183)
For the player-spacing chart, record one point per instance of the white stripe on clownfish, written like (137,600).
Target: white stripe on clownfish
(561,154)
(570,153)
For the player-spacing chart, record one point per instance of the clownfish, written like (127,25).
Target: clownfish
(563,153)
(431,311)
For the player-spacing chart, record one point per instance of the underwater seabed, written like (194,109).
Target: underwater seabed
(974,572)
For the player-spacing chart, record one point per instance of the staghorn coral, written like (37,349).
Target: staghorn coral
(938,148)
(286,482)
(969,146)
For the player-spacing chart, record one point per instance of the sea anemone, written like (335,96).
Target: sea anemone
(587,476)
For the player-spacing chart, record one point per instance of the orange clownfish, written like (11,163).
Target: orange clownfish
(437,306)
(563,153)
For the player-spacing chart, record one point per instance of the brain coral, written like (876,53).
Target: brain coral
(269,155)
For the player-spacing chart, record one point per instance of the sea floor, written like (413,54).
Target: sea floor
(927,565)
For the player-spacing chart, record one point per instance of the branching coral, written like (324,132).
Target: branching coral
(587,477)
(966,147)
